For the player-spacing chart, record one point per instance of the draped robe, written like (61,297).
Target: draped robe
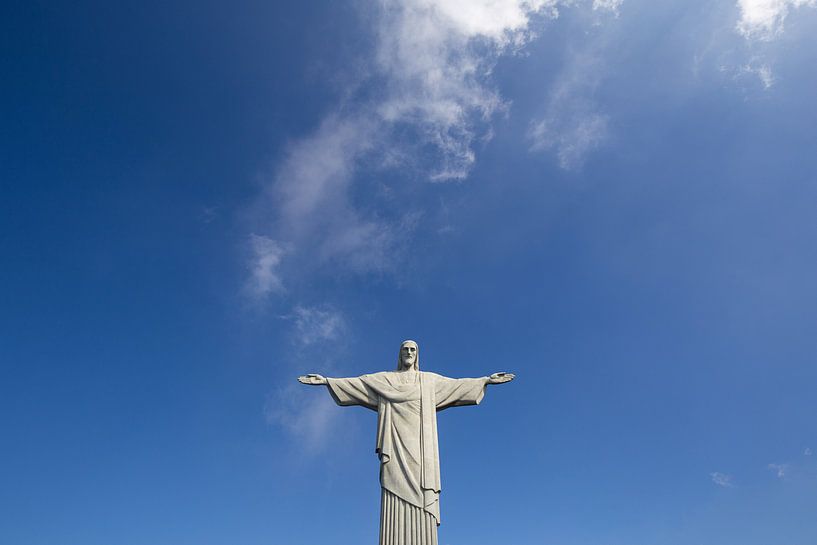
(407,403)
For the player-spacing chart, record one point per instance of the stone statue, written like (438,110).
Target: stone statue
(407,401)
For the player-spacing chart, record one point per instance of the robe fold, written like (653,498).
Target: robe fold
(407,403)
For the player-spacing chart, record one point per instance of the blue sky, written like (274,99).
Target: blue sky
(614,200)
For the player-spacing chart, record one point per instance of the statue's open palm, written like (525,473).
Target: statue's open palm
(313,379)
(499,378)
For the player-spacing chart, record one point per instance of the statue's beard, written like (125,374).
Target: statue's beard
(408,365)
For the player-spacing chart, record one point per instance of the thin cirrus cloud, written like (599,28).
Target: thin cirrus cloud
(311,197)
(307,418)
(314,325)
(571,129)
(722,479)
(760,69)
(607,5)
(264,278)
(572,125)
(780,470)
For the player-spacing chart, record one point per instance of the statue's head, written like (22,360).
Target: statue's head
(409,357)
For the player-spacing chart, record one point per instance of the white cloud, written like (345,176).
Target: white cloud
(497,20)
(432,65)
(571,134)
(760,69)
(310,197)
(761,22)
(607,5)
(722,479)
(314,324)
(308,418)
(436,57)
(756,70)
(807,452)
(318,169)
(779,469)
(572,125)
(209,214)
(763,19)
(264,278)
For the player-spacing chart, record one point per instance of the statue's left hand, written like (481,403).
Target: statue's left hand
(499,378)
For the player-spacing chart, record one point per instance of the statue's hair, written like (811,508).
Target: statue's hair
(400,356)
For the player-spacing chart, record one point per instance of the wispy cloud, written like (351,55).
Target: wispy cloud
(437,57)
(807,452)
(308,418)
(310,204)
(608,5)
(761,70)
(763,19)
(761,22)
(722,479)
(209,214)
(432,103)
(570,130)
(263,264)
(314,325)
(779,469)
(756,70)
(573,124)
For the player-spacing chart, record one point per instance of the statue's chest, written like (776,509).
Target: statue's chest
(401,388)
(405,393)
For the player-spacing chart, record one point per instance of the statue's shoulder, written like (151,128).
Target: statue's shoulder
(379,380)
(432,376)
(376,377)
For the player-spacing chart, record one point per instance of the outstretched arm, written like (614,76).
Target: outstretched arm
(345,391)
(456,392)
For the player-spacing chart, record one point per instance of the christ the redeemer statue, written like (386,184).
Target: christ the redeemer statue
(407,401)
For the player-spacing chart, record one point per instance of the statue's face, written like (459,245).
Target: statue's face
(408,355)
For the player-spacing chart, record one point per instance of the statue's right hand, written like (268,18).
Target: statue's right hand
(313,379)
